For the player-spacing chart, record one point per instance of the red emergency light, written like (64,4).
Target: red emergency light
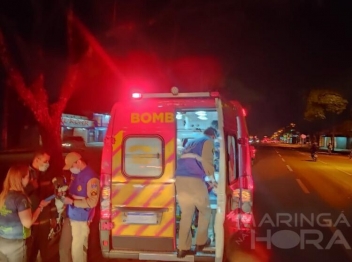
(244,112)
(136,95)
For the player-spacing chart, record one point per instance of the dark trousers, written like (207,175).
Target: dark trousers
(49,251)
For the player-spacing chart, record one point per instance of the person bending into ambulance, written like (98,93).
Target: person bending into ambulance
(83,197)
(194,164)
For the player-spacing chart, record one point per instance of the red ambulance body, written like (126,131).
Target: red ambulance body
(138,211)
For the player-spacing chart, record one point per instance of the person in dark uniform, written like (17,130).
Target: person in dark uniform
(41,187)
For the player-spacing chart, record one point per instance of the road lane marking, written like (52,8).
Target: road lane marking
(279,155)
(302,153)
(344,172)
(289,168)
(323,162)
(303,187)
(283,160)
(276,151)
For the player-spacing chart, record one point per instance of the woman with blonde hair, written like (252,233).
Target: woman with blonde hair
(16,216)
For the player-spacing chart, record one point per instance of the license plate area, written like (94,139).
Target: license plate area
(142,216)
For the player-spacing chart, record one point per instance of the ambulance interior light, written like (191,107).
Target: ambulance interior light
(201,113)
(202,118)
(178,115)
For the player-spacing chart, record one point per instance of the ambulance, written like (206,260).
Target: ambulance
(139,214)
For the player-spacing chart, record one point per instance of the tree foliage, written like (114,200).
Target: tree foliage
(35,87)
(322,101)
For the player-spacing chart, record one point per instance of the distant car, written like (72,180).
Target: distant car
(73,143)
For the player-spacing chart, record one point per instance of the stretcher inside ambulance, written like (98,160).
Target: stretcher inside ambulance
(139,214)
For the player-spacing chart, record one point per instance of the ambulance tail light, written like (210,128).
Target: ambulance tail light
(240,215)
(137,95)
(239,220)
(105,202)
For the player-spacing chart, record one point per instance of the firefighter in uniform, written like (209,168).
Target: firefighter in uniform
(194,164)
(83,197)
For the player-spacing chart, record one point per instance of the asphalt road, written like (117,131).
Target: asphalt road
(302,209)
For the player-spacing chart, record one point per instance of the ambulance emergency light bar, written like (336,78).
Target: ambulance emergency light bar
(137,95)
(174,94)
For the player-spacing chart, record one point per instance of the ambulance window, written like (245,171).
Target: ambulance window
(232,164)
(143,157)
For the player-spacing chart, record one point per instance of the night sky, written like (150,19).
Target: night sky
(266,54)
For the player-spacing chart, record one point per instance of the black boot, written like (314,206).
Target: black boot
(183,253)
(201,247)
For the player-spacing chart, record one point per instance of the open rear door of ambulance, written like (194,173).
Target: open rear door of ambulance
(142,181)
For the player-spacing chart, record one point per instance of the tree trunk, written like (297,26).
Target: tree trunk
(51,141)
(5,118)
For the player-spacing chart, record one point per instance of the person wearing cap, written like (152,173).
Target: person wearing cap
(194,164)
(83,197)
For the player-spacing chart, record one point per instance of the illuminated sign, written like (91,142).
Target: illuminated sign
(76,122)
(146,118)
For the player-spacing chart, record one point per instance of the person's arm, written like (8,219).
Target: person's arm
(26,217)
(208,158)
(93,189)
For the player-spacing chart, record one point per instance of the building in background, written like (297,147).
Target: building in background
(91,130)
(74,125)
(101,124)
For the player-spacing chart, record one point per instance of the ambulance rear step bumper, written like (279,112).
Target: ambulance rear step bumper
(201,256)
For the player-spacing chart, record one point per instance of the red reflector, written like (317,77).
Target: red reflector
(105,243)
(106,226)
(105,214)
(136,95)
